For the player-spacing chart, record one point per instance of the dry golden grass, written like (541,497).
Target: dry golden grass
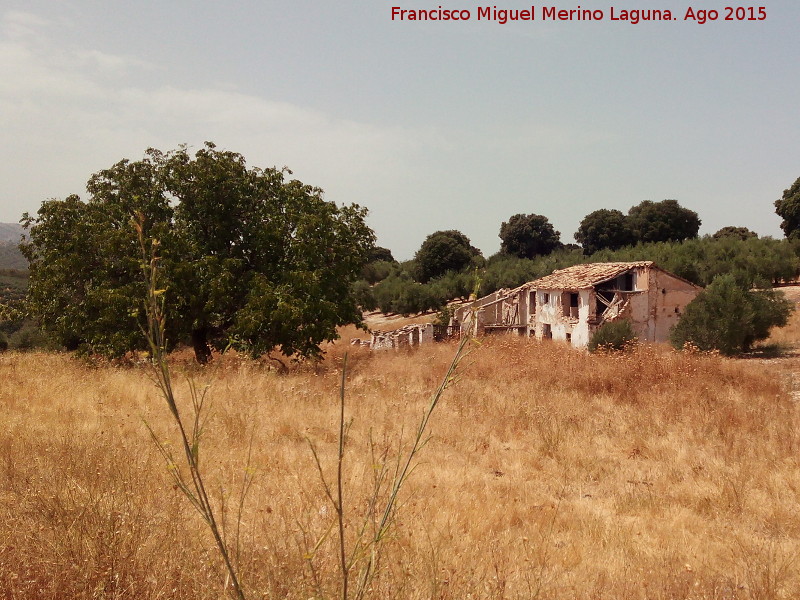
(550,473)
(789,336)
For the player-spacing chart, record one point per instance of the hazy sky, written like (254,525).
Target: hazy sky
(431,125)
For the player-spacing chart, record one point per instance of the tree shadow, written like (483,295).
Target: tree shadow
(772,351)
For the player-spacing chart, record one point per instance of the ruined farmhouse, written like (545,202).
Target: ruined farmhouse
(571,304)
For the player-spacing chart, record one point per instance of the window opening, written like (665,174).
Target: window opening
(569,301)
(628,282)
(604,300)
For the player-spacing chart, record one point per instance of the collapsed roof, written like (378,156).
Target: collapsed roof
(581,277)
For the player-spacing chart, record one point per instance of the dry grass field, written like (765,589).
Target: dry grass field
(550,474)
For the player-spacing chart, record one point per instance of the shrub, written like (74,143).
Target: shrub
(29,337)
(615,335)
(444,316)
(362,292)
(452,285)
(728,317)
(378,270)
(756,260)
(3,342)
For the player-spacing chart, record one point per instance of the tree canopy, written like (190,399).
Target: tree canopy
(604,229)
(380,253)
(527,236)
(788,208)
(443,251)
(665,221)
(739,233)
(249,259)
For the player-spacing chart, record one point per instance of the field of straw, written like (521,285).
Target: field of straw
(549,473)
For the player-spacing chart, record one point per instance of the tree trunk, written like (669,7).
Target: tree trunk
(202,351)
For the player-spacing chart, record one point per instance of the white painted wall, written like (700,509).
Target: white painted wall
(552,313)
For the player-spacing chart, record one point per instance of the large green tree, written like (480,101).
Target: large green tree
(526,236)
(249,259)
(788,208)
(443,251)
(665,221)
(604,229)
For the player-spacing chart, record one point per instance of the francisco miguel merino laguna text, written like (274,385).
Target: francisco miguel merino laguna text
(504,15)
(554,13)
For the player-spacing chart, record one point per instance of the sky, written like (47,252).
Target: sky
(429,124)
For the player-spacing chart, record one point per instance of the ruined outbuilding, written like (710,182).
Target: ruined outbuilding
(415,334)
(571,304)
(409,335)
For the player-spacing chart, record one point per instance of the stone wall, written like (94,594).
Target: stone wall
(408,335)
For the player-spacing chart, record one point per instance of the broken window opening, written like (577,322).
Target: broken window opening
(622,283)
(569,302)
(547,332)
(604,300)
(628,282)
(510,311)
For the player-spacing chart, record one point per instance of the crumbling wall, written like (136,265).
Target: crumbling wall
(564,322)
(669,297)
(408,335)
(581,331)
(656,304)
(488,312)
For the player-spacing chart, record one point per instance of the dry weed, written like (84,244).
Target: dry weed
(551,473)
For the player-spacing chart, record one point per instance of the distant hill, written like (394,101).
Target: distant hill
(13,286)
(11,257)
(11,232)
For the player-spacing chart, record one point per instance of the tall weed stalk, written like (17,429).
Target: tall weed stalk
(365,552)
(361,557)
(188,477)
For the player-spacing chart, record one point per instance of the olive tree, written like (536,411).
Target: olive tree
(729,317)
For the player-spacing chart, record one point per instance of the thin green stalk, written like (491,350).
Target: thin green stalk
(368,547)
(406,466)
(340,488)
(190,442)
